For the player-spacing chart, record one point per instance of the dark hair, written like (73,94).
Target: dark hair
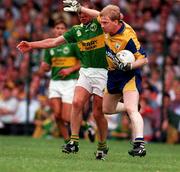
(87,3)
(60,21)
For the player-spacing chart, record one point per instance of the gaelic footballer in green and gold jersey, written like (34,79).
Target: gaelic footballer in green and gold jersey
(90,41)
(62,57)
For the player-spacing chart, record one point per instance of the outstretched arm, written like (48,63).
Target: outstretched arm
(91,12)
(25,46)
(75,6)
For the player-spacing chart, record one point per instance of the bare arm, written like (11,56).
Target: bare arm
(75,6)
(48,43)
(139,63)
(5,111)
(25,46)
(91,12)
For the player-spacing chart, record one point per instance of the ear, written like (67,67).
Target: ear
(116,22)
(121,16)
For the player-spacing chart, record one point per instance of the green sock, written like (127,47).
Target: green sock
(75,139)
(66,141)
(102,145)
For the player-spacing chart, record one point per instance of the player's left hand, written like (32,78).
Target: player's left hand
(125,66)
(65,72)
(121,65)
(71,6)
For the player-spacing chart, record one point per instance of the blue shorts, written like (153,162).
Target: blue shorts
(120,81)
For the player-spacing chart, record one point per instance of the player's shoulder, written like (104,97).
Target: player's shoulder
(128,28)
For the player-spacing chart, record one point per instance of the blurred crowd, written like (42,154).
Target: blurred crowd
(157,24)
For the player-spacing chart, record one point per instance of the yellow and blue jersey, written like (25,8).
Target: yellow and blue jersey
(118,80)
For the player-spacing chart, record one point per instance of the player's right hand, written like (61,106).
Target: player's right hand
(24,46)
(71,5)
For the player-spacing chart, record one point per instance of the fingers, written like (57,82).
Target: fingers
(23,46)
(20,45)
(67,2)
(69,9)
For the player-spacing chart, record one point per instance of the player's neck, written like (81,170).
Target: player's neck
(116,29)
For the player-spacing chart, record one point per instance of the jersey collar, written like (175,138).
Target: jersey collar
(121,28)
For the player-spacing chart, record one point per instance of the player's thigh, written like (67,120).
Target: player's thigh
(98,81)
(83,81)
(81,95)
(56,105)
(66,111)
(131,100)
(110,102)
(97,106)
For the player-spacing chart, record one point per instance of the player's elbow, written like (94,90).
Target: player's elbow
(58,41)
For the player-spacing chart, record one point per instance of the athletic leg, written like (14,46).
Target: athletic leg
(80,97)
(111,104)
(56,104)
(131,99)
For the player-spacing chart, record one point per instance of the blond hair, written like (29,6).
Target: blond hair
(113,12)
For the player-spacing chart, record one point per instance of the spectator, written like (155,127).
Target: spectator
(8,106)
(173,132)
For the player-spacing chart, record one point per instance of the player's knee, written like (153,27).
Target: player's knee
(58,117)
(130,110)
(65,119)
(77,103)
(56,114)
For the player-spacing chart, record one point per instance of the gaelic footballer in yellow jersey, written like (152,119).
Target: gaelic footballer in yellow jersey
(124,79)
(124,39)
(114,43)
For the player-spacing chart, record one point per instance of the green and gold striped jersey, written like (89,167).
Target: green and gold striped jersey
(63,56)
(90,40)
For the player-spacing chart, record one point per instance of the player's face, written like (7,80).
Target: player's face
(59,30)
(84,18)
(107,25)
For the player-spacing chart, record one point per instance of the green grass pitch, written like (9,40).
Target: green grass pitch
(24,154)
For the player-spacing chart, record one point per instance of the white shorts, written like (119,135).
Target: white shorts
(62,89)
(93,80)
